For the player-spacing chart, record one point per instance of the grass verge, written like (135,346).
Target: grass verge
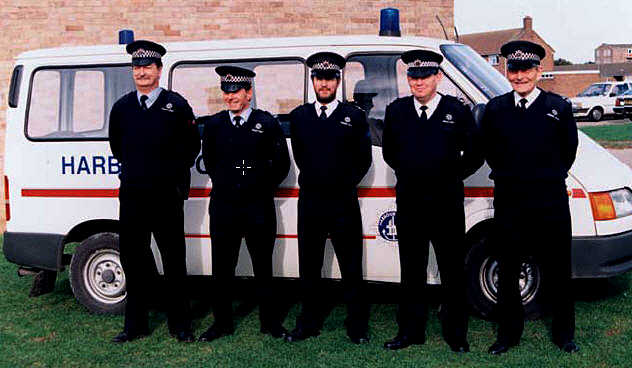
(54,330)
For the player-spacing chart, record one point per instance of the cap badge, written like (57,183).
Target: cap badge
(417,63)
(229,78)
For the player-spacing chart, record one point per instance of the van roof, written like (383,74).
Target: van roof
(245,43)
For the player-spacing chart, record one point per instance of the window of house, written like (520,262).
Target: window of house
(74,103)
(493,59)
(547,76)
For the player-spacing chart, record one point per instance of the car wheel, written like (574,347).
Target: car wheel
(482,282)
(96,275)
(596,114)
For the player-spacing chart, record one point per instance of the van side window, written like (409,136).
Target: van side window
(74,103)
(374,81)
(279,86)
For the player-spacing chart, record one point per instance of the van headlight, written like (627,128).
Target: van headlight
(577,105)
(611,205)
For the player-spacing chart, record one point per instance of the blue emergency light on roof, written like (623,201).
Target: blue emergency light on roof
(389,22)
(126,36)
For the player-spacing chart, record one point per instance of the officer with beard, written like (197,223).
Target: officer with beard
(332,150)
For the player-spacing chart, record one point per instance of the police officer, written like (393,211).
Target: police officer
(432,143)
(153,135)
(246,156)
(332,150)
(530,140)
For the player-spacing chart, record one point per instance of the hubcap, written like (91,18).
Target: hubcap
(104,277)
(529,280)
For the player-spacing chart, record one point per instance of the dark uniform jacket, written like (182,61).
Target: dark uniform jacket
(332,154)
(536,144)
(258,148)
(431,159)
(156,147)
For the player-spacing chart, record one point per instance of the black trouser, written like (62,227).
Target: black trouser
(230,221)
(143,212)
(337,216)
(533,220)
(442,223)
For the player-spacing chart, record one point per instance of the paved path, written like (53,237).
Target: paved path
(625,155)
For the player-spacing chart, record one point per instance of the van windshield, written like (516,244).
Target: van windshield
(487,79)
(594,90)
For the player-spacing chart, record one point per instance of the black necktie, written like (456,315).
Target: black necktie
(423,116)
(237,120)
(323,115)
(143,98)
(523,103)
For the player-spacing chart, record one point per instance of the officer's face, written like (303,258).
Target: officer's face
(325,89)
(146,77)
(523,80)
(424,89)
(238,101)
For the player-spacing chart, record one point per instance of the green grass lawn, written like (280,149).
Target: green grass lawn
(54,330)
(609,134)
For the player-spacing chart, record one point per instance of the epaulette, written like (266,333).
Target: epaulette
(264,112)
(352,104)
(452,98)
(552,97)
(177,97)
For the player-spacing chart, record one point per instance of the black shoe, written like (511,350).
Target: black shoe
(359,337)
(402,342)
(278,331)
(127,337)
(498,348)
(183,336)
(568,346)
(214,333)
(460,347)
(300,334)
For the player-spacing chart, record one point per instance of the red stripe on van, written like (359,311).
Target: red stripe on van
(83,193)
(578,193)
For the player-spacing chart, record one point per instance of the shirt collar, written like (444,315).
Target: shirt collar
(530,97)
(331,107)
(151,96)
(244,115)
(432,105)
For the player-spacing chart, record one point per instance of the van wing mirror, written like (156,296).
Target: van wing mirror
(478,111)
(14,87)
(612,94)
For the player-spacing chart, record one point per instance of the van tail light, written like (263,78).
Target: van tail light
(611,205)
(7,207)
(618,102)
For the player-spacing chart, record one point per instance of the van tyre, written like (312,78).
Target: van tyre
(96,275)
(596,114)
(482,283)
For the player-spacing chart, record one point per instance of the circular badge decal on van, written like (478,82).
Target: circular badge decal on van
(386,226)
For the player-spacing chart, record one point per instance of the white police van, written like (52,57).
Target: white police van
(61,179)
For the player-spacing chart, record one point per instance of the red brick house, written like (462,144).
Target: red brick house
(488,44)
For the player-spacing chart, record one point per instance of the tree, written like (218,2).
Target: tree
(561,61)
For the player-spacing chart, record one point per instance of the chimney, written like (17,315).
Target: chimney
(527,23)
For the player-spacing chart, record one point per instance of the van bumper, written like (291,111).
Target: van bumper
(602,256)
(35,250)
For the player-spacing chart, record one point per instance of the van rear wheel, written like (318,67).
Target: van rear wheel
(96,275)
(482,282)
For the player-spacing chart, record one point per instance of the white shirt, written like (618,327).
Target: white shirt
(244,115)
(432,105)
(151,96)
(330,107)
(530,97)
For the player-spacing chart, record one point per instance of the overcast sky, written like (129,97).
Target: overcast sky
(574,28)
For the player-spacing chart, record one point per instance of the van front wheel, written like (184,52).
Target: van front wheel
(96,275)
(482,282)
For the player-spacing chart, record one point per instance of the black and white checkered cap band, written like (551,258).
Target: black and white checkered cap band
(423,64)
(325,65)
(236,79)
(520,55)
(144,54)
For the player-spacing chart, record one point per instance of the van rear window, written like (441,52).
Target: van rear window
(73,103)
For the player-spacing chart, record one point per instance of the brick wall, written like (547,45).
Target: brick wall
(569,85)
(32,24)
